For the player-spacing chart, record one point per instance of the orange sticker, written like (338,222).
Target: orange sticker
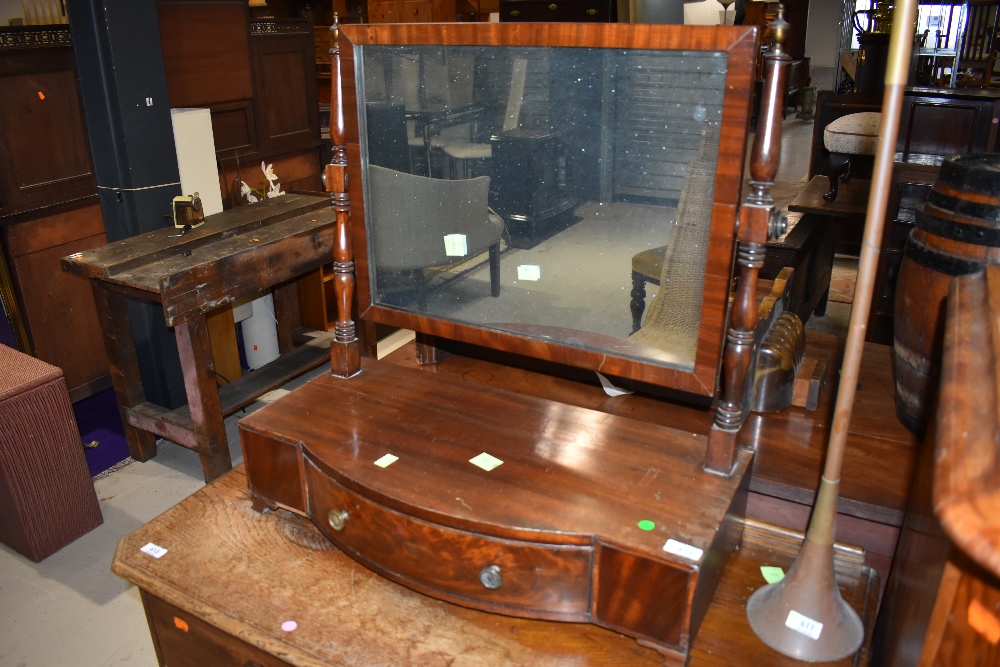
(181,624)
(983,621)
(41,95)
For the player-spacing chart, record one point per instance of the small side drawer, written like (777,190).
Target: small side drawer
(549,581)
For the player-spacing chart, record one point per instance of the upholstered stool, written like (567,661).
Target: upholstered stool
(846,137)
(47,497)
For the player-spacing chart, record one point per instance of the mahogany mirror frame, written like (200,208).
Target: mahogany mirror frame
(740,45)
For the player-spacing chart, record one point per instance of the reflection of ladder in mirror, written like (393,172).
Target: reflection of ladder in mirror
(977,50)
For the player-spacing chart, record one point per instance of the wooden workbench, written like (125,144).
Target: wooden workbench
(239,254)
(232,580)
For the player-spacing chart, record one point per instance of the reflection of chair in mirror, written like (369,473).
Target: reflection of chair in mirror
(421,224)
(674,314)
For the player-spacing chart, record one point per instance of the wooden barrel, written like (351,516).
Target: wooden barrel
(957,232)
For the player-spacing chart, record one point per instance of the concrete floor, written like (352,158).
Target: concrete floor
(71,610)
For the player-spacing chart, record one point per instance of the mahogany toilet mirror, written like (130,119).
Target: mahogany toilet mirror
(501,185)
(593,147)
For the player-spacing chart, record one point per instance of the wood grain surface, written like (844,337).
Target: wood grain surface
(236,573)
(790,445)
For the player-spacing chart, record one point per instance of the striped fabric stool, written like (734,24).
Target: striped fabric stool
(846,137)
(47,498)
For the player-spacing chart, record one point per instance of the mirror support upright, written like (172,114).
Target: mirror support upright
(756,226)
(345,349)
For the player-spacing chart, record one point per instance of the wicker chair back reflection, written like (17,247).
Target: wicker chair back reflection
(672,320)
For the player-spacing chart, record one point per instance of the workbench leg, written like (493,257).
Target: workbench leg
(119,345)
(195,348)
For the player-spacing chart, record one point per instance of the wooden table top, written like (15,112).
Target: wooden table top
(247,573)
(851,201)
(790,445)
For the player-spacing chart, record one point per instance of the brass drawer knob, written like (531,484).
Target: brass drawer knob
(337,519)
(592,11)
(515,12)
(490,577)
(553,6)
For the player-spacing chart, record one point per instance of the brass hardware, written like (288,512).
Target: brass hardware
(515,13)
(337,519)
(553,6)
(490,577)
(591,11)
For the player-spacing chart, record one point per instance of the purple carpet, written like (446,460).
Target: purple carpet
(98,419)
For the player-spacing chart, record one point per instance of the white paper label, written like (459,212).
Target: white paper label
(683,550)
(529,272)
(153,550)
(803,625)
(386,461)
(485,461)
(610,389)
(455,245)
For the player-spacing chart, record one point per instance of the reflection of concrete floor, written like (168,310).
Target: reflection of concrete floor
(583,274)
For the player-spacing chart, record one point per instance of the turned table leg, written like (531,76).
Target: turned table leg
(638,303)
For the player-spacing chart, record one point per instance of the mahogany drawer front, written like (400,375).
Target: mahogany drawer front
(505,576)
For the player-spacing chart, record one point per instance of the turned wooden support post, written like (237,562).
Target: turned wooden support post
(345,349)
(757,222)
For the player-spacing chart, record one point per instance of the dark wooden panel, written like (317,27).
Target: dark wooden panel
(44,154)
(284,66)
(59,307)
(943,128)
(206,51)
(233,127)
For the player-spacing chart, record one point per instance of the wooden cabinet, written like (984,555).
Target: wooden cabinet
(411,11)
(59,308)
(48,201)
(44,154)
(575,11)
(261,86)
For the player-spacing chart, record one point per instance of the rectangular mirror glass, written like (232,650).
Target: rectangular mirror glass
(555,195)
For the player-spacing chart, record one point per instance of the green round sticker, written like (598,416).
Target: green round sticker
(646,524)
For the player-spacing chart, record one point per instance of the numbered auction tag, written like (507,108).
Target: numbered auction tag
(387,460)
(529,272)
(803,625)
(485,461)
(455,245)
(683,550)
(154,550)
